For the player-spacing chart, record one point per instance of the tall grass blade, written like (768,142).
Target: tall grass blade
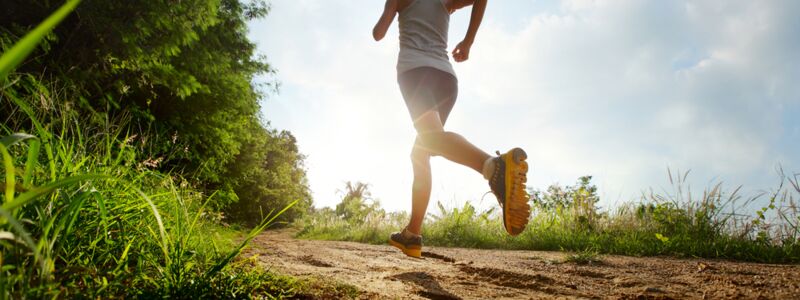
(199,212)
(164,240)
(8,164)
(74,210)
(25,46)
(35,193)
(30,163)
(250,236)
(26,237)
(14,139)
(41,131)
(101,206)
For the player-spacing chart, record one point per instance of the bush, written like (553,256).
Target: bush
(566,218)
(357,218)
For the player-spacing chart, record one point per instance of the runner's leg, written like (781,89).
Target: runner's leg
(442,89)
(432,138)
(420,189)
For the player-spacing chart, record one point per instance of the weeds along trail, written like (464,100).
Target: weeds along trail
(379,271)
(717,224)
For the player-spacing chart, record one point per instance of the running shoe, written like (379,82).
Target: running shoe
(508,185)
(411,246)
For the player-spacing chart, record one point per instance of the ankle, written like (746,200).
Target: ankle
(407,233)
(488,168)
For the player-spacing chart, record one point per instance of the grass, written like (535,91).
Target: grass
(585,257)
(325,288)
(565,219)
(83,215)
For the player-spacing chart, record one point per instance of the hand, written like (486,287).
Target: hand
(461,52)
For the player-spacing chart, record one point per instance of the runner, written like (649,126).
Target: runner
(429,87)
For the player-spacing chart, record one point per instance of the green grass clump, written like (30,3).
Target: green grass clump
(325,288)
(566,218)
(84,215)
(325,224)
(585,257)
(357,218)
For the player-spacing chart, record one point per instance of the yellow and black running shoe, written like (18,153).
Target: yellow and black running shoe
(508,185)
(411,246)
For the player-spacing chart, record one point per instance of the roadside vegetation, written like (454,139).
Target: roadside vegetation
(83,215)
(678,223)
(134,160)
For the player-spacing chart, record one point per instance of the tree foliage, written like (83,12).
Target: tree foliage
(581,199)
(357,203)
(184,70)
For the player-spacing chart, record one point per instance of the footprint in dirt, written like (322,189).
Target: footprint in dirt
(438,256)
(508,278)
(309,259)
(431,288)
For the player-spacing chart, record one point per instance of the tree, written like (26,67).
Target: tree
(184,70)
(357,203)
(580,198)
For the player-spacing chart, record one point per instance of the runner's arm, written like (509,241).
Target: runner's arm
(459,4)
(461,52)
(478,9)
(386,19)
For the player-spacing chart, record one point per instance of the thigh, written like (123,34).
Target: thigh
(418,92)
(446,95)
(425,91)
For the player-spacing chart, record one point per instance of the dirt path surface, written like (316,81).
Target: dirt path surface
(454,273)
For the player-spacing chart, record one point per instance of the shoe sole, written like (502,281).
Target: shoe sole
(416,253)
(516,210)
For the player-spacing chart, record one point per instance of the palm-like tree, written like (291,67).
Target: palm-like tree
(357,190)
(354,205)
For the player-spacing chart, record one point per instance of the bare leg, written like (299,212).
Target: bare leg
(452,146)
(420,189)
(433,140)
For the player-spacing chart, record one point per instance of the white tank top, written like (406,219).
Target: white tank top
(423,36)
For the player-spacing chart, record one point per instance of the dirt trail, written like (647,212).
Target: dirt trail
(455,273)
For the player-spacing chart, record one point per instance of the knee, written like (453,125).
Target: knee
(428,138)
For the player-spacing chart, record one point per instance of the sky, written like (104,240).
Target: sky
(622,90)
